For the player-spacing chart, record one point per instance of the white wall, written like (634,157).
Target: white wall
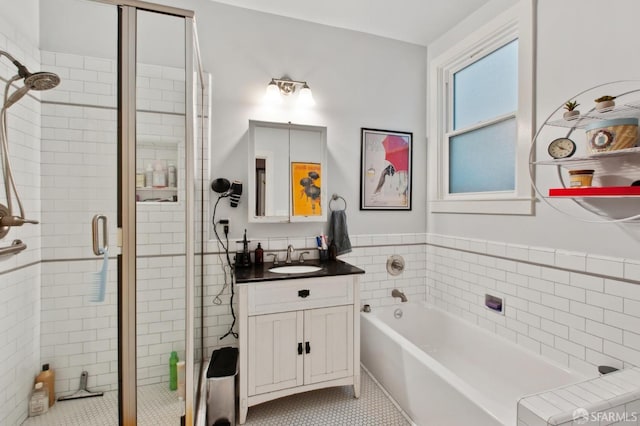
(570,58)
(358,80)
(25,18)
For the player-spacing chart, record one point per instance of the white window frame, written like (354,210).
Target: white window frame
(518,23)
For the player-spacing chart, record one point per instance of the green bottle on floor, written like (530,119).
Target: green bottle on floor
(173,371)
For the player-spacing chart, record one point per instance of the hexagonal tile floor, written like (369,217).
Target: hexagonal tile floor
(332,406)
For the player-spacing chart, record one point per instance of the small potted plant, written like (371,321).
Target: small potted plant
(605,103)
(571,112)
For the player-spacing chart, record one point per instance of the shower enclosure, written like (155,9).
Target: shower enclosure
(124,137)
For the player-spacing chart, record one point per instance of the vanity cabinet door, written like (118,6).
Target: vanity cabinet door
(329,332)
(275,361)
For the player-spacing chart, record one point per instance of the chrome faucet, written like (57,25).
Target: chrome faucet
(289,253)
(397,293)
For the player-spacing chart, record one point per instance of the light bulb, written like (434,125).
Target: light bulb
(272,94)
(305,98)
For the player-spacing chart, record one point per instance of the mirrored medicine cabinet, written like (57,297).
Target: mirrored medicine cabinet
(287,168)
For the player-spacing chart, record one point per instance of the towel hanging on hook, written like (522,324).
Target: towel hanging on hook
(336,197)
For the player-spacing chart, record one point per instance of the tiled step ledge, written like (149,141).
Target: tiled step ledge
(610,399)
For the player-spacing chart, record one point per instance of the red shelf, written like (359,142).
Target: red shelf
(596,191)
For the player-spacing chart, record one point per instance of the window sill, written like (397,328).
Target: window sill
(509,206)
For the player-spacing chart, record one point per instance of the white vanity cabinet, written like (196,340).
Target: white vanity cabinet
(297,335)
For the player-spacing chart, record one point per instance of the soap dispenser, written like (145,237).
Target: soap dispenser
(259,255)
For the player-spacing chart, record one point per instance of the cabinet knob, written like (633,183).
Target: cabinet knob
(303,293)
(300,348)
(307,347)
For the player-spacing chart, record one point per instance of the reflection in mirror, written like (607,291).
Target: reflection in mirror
(261,185)
(285,172)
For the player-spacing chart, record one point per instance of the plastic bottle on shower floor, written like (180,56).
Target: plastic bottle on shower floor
(48,379)
(173,371)
(39,401)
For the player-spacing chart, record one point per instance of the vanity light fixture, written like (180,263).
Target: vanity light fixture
(285,86)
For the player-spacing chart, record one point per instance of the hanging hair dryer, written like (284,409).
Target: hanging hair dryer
(226,189)
(236,192)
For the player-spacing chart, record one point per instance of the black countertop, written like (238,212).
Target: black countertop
(259,273)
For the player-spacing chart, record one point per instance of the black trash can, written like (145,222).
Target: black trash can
(221,387)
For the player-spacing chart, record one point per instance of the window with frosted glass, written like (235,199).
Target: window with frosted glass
(482,158)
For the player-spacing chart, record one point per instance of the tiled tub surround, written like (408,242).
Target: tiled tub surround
(607,400)
(443,370)
(578,309)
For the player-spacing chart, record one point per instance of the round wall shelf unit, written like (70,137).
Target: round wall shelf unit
(597,134)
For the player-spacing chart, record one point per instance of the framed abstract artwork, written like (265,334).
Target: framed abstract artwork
(385,170)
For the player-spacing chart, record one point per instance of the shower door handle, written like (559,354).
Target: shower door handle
(95,234)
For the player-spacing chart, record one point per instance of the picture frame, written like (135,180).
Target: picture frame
(385,169)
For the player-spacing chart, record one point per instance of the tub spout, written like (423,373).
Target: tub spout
(397,293)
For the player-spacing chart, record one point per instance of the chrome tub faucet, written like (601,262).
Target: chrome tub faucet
(397,293)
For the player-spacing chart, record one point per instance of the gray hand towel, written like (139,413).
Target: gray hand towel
(338,231)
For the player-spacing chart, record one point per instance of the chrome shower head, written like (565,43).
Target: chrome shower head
(36,81)
(41,80)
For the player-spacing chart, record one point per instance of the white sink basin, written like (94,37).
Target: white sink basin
(295,269)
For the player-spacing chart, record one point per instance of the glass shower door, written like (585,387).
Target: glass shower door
(78,172)
(161,217)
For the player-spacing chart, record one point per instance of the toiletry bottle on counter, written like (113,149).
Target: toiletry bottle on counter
(39,401)
(259,255)
(48,379)
(333,251)
(173,371)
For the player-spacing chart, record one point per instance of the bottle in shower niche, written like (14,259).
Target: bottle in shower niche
(159,176)
(173,371)
(39,401)
(48,379)
(148,175)
(172,176)
(139,179)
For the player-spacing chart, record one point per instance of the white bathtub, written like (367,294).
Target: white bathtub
(446,371)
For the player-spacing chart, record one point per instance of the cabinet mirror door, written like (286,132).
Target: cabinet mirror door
(287,163)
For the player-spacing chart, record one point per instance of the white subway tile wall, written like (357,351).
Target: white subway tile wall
(574,308)
(19,340)
(20,288)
